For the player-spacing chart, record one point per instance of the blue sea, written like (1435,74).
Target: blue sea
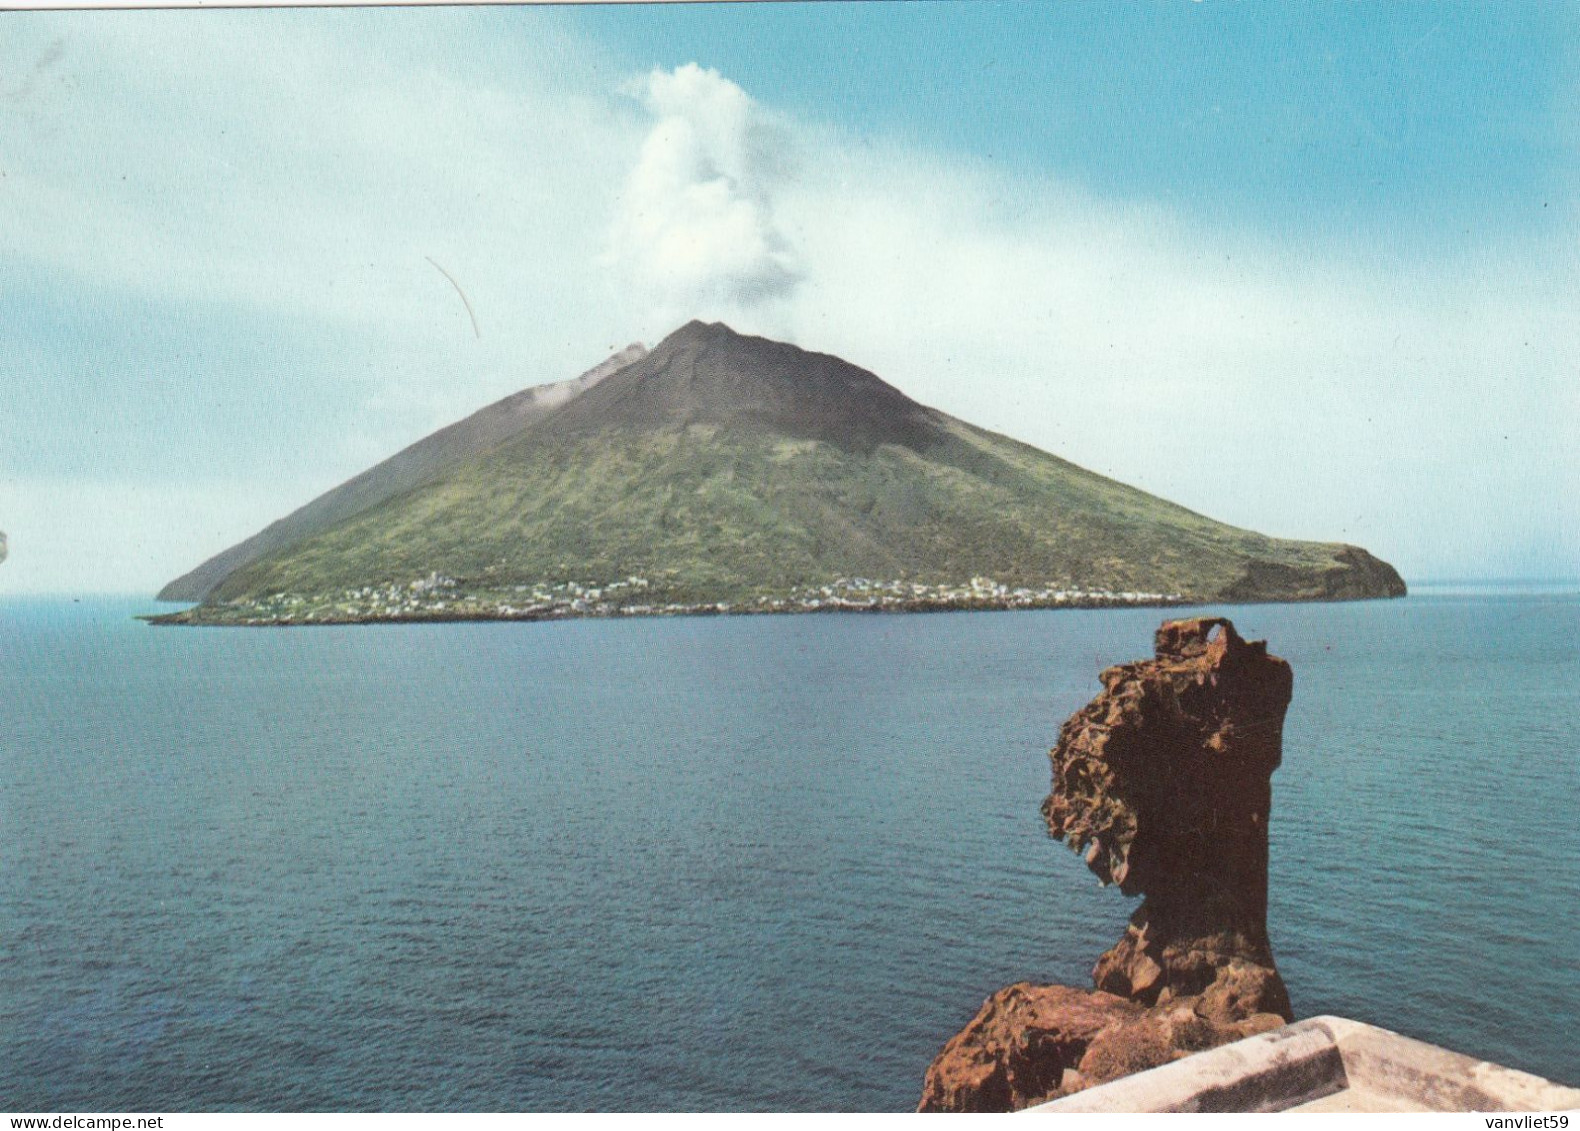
(716,863)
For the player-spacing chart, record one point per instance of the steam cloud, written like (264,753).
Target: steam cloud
(694,232)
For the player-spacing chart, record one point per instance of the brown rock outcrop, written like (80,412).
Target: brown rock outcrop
(1164,782)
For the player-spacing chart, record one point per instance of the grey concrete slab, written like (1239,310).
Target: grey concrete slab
(1324,1064)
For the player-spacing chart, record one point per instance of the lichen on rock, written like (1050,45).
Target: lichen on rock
(1163,782)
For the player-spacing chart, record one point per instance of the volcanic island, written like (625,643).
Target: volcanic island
(721,473)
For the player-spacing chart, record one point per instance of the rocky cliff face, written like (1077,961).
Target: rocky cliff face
(1164,783)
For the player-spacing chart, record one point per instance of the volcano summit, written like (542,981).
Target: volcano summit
(727,473)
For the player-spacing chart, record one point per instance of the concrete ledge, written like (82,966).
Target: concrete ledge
(1324,1064)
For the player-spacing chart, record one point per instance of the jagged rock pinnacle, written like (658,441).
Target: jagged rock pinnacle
(1164,782)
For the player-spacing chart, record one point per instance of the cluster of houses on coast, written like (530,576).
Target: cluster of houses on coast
(437,597)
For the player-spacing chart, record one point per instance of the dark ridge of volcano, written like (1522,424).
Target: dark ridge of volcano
(706,373)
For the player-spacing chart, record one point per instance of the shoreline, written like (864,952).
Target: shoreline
(184,619)
(441,598)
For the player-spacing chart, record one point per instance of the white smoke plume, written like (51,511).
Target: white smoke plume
(694,234)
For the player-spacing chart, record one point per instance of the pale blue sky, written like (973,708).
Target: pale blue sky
(1307,268)
(1410,120)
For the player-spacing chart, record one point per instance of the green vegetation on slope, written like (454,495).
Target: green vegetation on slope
(711,515)
(720,469)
